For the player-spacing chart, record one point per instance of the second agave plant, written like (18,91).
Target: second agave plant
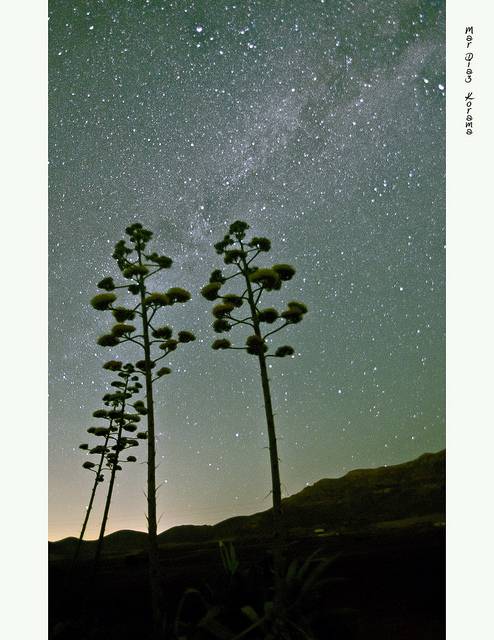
(252,282)
(113,442)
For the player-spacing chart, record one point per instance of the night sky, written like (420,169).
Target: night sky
(322,124)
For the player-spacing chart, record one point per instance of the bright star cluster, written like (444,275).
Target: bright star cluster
(322,124)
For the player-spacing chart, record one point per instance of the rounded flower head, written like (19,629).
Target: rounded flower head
(162,261)
(113,365)
(210,291)
(121,314)
(295,312)
(135,270)
(101,431)
(263,244)
(223,244)
(165,333)
(158,299)
(169,345)
(186,336)
(233,255)
(300,306)
(238,228)
(284,351)
(268,278)
(164,371)
(221,325)
(102,301)
(141,364)
(133,228)
(268,315)
(217,276)
(99,449)
(107,284)
(138,235)
(221,344)
(120,329)
(285,271)
(121,252)
(221,310)
(107,340)
(232,298)
(177,294)
(140,407)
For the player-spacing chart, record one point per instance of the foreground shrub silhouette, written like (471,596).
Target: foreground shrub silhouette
(241,608)
(135,324)
(253,282)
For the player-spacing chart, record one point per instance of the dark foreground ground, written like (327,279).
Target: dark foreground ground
(386,582)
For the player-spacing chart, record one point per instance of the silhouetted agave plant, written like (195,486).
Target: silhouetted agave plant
(254,281)
(138,266)
(111,415)
(121,421)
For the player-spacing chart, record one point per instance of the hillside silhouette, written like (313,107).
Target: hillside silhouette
(381,530)
(407,494)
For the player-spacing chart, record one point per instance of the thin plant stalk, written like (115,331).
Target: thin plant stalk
(91,500)
(154,580)
(278,529)
(109,494)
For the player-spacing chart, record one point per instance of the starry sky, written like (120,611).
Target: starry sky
(320,123)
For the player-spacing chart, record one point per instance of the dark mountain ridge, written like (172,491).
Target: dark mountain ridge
(411,492)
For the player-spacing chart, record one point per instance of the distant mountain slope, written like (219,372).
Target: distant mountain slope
(117,542)
(360,498)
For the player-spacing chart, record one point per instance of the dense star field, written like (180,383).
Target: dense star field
(322,124)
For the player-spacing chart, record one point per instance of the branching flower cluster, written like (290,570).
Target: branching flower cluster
(110,452)
(138,267)
(240,254)
(118,421)
(141,323)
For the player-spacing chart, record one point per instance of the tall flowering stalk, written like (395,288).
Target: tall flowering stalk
(244,309)
(113,401)
(138,267)
(116,443)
